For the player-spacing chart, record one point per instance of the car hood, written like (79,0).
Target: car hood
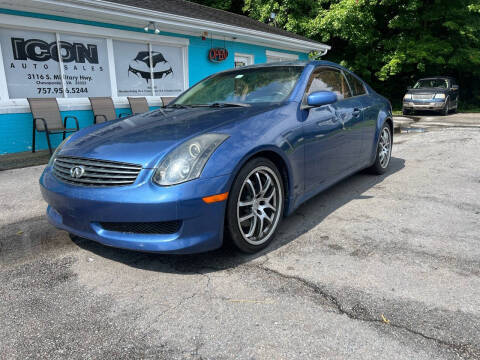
(144,139)
(427,91)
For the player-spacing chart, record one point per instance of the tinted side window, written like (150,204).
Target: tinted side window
(326,79)
(356,85)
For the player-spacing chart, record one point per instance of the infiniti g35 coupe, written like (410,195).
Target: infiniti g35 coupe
(228,159)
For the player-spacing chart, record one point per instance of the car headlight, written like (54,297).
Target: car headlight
(439,96)
(407,97)
(187,161)
(59,147)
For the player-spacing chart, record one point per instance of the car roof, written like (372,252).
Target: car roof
(438,78)
(300,63)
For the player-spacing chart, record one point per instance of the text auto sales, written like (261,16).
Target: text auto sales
(41,51)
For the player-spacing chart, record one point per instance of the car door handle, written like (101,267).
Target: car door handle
(356,112)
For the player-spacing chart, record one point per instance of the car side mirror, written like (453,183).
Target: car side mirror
(455,87)
(409,88)
(319,98)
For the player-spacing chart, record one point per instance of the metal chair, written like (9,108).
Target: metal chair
(138,105)
(167,99)
(103,109)
(47,118)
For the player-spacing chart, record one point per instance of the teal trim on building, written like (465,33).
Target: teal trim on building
(16,129)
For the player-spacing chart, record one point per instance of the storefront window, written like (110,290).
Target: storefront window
(132,68)
(33,67)
(138,65)
(85,66)
(31,64)
(167,70)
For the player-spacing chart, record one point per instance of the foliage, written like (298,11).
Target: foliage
(389,43)
(235,6)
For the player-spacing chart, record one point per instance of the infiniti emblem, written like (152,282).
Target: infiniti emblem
(77,172)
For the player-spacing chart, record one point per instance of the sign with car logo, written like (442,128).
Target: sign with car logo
(140,67)
(77,172)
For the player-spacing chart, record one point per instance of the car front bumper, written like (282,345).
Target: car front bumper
(424,105)
(83,211)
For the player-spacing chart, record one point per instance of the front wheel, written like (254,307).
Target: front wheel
(446,109)
(255,205)
(384,151)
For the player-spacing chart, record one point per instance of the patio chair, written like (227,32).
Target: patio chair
(138,105)
(167,100)
(47,118)
(103,109)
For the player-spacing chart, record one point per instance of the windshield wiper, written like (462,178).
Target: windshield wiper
(213,105)
(177,106)
(228,104)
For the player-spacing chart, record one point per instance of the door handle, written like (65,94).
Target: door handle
(356,112)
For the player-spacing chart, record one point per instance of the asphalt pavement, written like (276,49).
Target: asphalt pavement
(377,267)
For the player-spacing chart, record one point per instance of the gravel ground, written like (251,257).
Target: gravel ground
(376,267)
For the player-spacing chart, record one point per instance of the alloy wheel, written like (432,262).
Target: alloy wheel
(259,205)
(385,147)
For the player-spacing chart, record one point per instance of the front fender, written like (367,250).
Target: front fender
(384,115)
(265,149)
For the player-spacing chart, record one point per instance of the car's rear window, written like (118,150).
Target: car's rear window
(356,85)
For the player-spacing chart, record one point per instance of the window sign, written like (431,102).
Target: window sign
(85,66)
(275,56)
(36,67)
(136,70)
(132,68)
(167,70)
(31,63)
(243,60)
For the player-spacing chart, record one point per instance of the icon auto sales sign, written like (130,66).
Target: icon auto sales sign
(32,64)
(217,54)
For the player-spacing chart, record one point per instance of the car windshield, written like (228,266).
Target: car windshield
(431,83)
(242,87)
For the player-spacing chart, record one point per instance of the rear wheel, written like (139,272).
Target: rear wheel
(255,205)
(384,151)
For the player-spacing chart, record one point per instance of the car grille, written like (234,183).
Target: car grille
(164,227)
(94,172)
(422,96)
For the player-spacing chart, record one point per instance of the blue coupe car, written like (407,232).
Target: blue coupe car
(226,161)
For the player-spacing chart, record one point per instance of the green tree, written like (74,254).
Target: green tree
(235,6)
(389,43)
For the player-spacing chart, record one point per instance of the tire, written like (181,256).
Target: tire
(446,110)
(381,163)
(405,112)
(259,201)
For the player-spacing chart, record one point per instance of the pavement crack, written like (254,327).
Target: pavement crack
(465,349)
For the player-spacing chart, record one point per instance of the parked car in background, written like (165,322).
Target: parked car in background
(438,94)
(233,154)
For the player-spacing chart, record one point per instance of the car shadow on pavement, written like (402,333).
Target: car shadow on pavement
(302,220)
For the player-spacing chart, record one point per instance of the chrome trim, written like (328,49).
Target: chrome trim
(423,96)
(97,172)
